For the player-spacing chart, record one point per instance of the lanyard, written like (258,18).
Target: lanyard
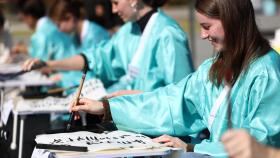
(217,105)
(139,56)
(135,64)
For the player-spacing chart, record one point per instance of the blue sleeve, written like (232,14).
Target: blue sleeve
(163,111)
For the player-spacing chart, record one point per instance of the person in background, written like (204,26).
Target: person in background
(5,36)
(69,17)
(6,41)
(32,13)
(240,144)
(149,51)
(47,42)
(245,68)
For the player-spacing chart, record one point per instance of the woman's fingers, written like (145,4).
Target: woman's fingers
(83,104)
(170,141)
(88,105)
(83,108)
(77,116)
(165,141)
(84,101)
(27,65)
(169,144)
(162,139)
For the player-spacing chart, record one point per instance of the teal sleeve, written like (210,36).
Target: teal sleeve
(163,111)
(263,120)
(215,149)
(260,116)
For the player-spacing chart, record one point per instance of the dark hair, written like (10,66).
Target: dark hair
(243,41)
(34,8)
(2,19)
(108,19)
(60,8)
(155,3)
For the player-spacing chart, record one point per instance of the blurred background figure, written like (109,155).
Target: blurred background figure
(47,41)
(5,36)
(31,12)
(257,4)
(5,39)
(266,7)
(269,7)
(70,17)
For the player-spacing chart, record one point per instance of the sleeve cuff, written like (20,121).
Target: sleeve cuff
(86,66)
(107,114)
(215,149)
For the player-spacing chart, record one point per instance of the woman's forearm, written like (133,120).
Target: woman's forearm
(76,62)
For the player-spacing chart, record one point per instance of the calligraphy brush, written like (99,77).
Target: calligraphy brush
(76,99)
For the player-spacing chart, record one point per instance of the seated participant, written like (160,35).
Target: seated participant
(6,41)
(47,42)
(244,61)
(70,18)
(5,36)
(141,55)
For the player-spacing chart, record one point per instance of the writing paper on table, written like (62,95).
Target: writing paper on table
(99,142)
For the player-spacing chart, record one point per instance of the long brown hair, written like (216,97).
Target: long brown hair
(243,41)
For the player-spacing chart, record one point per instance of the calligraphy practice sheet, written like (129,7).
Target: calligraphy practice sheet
(49,104)
(98,142)
(92,89)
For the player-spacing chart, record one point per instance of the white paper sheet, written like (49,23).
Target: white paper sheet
(33,78)
(99,142)
(92,89)
(7,108)
(49,104)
